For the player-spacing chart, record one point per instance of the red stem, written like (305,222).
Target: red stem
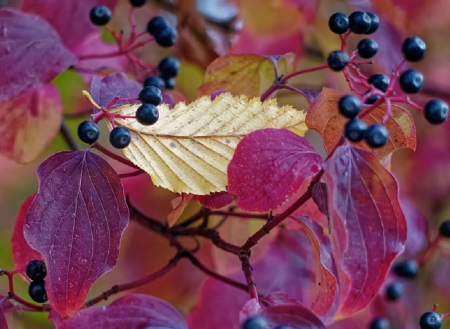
(308,70)
(18,299)
(426,254)
(132,174)
(114,156)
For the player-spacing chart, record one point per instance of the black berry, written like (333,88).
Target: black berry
(37,291)
(166,37)
(430,320)
(380,323)
(169,67)
(371,99)
(354,130)
(170,83)
(255,322)
(156,24)
(379,81)
(100,15)
(367,48)
(413,49)
(155,81)
(376,135)
(138,3)
(359,22)
(338,23)
(36,270)
(407,268)
(337,60)
(147,114)
(394,291)
(349,106)
(88,132)
(411,81)
(374,23)
(282,327)
(444,229)
(120,137)
(436,111)
(150,95)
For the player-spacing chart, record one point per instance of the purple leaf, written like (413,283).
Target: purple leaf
(76,221)
(70,18)
(31,53)
(132,311)
(319,195)
(116,84)
(3,323)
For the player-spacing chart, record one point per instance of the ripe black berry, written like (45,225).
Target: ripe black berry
(255,322)
(100,15)
(379,81)
(88,132)
(338,23)
(380,323)
(354,130)
(166,37)
(169,67)
(367,48)
(150,95)
(337,60)
(413,49)
(138,3)
(407,268)
(156,24)
(374,23)
(359,22)
(444,229)
(394,291)
(147,114)
(37,291)
(371,99)
(411,81)
(282,327)
(36,270)
(430,320)
(349,106)
(436,111)
(170,83)
(376,135)
(155,81)
(120,137)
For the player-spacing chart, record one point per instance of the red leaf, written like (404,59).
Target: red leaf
(215,200)
(31,50)
(319,195)
(369,225)
(132,311)
(269,166)
(21,250)
(74,11)
(76,221)
(178,205)
(37,112)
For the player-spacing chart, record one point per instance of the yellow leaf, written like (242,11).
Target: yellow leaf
(189,148)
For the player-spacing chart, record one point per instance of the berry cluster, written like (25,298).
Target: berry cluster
(164,35)
(37,271)
(168,68)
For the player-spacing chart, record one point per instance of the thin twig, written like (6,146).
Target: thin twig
(65,133)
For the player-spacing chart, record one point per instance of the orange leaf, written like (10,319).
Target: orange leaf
(178,205)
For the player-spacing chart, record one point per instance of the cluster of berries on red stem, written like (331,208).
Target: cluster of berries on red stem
(37,271)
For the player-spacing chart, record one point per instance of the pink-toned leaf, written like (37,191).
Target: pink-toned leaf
(31,53)
(215,200)
(132,311)
(269,166)
(37,112)
(3,323)
(369,228)
(76,221)
(178,205)
(58,14)
(21,250)
(418,232)
(319,195)
(251,308)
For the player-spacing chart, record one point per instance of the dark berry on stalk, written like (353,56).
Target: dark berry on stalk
(120,137)
(36,270)
(376,135)
(436,111)
(155,81)
(138,3)
(444,229)
(379,81)
(349,106)
(150,95)
(100,15)
(88,132)
(359,22)
(147,114)
(282,327)
(380,323)
(372,99)
(166,37)
(374,23)
(430,320)
(169,67)
(413,49)
(337,60)
(170,83)
(367,48)
(156,24)
(255,322)
(406,269)
(37,291)
(354,130)
(411,81)
(338,23)
(394,291)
